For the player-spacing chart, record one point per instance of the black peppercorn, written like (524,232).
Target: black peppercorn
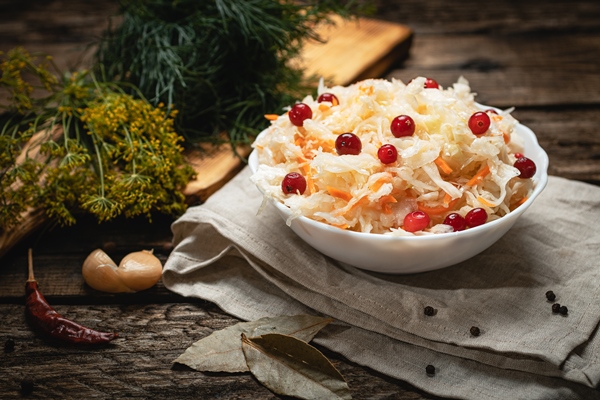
(9,346)
(429,311)
(555,308)
(563,310)
(550,295)
(430,369)
(26,387)
(475,331)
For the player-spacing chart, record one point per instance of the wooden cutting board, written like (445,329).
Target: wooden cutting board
(352,50)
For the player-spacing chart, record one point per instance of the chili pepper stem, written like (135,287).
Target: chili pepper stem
(30,264)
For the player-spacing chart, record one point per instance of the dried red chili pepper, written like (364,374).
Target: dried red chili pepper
(46,320)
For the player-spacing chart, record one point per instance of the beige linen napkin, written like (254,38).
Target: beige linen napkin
(254,266)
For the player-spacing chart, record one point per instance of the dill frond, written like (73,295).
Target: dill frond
(84,145)
(223,64)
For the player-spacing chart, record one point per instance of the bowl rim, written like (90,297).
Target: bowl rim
(540,182)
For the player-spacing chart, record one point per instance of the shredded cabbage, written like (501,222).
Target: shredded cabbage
(436,172)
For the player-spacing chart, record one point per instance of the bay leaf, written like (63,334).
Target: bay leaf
(291,367)
(221,351)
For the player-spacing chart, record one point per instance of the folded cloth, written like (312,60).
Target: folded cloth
(252,265)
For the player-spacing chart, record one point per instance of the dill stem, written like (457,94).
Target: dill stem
(77,133)
(66,126)
(100,168)
(130,142)
(14,132)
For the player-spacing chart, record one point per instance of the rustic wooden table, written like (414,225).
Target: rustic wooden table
(538,56)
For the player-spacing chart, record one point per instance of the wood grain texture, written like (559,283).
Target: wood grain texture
(139,364)
(354,49)
(494,18)
(214,166)
(538,56)
(571,138)
(63,29)
(512,71)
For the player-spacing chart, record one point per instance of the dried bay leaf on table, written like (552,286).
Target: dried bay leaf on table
(291,367)
(221,351)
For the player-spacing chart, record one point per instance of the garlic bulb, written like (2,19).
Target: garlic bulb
(137,271)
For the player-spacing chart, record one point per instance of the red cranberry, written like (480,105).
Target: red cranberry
(491,110)
(348,143)
(456,221)
(402,125)
(479,123)
(526,167)
(416,221)
(293,183)
(431,84)
(299,113)
(476,217)
(330,97)
(387,153)
(518,155)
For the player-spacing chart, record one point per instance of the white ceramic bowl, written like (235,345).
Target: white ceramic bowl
(411,254)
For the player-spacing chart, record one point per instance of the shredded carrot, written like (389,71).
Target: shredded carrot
(271,117)
(301,160)
(478,177)
(323,107)
(436,210)
(411,193)
(379,182)
(339,193)
(518,203)
(301,142)
(361,202)
(385,201)
(447,199)
(342,226)
(485,202)
(506,137)
(368,90)
(310,183)
(443,165)
(306,171)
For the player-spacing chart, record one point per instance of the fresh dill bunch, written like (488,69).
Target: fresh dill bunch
(73,144)
(222,63)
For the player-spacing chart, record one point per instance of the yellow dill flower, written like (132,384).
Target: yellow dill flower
(104,152)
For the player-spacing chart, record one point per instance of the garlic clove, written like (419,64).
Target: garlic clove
(140,270)
(100,272)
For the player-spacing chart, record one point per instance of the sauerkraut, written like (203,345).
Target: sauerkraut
(442,168)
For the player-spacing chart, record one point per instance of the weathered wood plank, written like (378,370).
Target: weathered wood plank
(537,55)
(571,138)
(59,252)
(139,364)
(497,17)
(434,16)
(354,50)
(60,28)
(520,71)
